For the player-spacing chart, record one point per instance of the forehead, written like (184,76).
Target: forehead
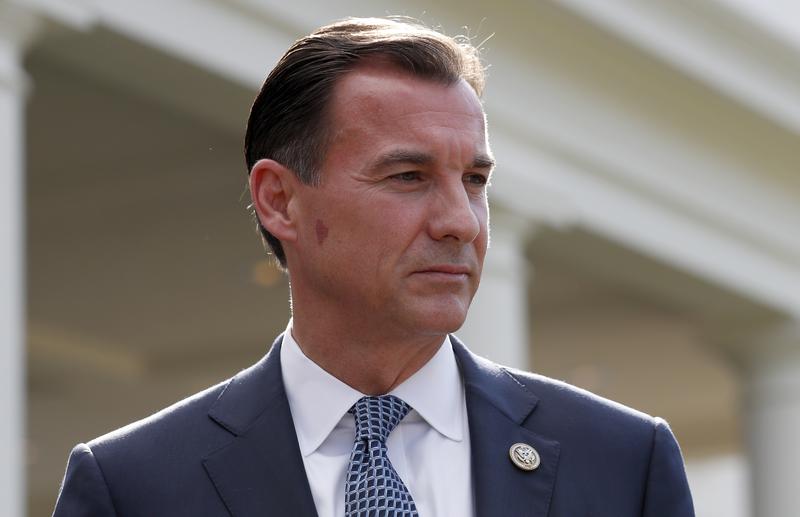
(381,95)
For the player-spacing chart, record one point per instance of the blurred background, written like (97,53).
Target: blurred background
(646,217)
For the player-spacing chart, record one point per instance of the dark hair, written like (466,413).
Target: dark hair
(288,119)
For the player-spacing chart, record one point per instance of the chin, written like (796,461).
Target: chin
(430,315)
(441,320)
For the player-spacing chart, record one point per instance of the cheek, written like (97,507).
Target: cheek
(321,231)
(482,241)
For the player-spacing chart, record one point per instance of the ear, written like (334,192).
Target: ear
(271,188)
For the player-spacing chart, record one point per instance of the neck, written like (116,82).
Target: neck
(371,362)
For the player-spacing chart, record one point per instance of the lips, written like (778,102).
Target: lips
(446,269)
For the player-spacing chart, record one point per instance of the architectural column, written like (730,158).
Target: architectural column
(16,29)
(497,325)
(770,365)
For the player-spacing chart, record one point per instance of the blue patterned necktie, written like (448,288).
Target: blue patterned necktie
(373,487)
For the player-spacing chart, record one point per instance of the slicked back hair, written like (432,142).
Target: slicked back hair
(289,118)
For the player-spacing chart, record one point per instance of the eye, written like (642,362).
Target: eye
(407,177)
(476,179)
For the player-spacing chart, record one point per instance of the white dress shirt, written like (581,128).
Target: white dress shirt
(429,448)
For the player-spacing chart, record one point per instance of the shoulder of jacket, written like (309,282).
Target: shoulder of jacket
(182,415)
(559,396)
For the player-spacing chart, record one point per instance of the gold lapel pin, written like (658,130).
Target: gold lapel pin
(524,456)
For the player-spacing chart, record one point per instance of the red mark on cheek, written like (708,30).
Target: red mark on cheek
(322,232)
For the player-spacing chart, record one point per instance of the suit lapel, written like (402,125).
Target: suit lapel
(260,472)
(498,406)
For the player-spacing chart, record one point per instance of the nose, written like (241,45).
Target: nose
(455,214)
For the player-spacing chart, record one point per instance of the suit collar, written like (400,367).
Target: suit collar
(250,393)
(495,384)
(498,407)
(254,390)
(261,468)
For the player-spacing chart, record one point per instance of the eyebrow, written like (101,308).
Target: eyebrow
(483,161)
(403,156)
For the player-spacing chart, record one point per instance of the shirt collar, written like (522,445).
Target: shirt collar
(318,400)
(436,392)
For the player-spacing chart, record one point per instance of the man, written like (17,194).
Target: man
(369,164)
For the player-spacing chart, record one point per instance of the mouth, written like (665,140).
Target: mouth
(446,270)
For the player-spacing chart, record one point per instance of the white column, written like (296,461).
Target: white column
(720,485)
(16,27)
(497,325)
(769,362)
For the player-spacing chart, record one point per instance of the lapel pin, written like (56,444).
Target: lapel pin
(524,456)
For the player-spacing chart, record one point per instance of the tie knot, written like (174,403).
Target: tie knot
(376,417)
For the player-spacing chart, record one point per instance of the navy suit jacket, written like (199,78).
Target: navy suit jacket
(232,450)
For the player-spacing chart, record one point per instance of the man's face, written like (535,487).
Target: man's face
(396,233)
